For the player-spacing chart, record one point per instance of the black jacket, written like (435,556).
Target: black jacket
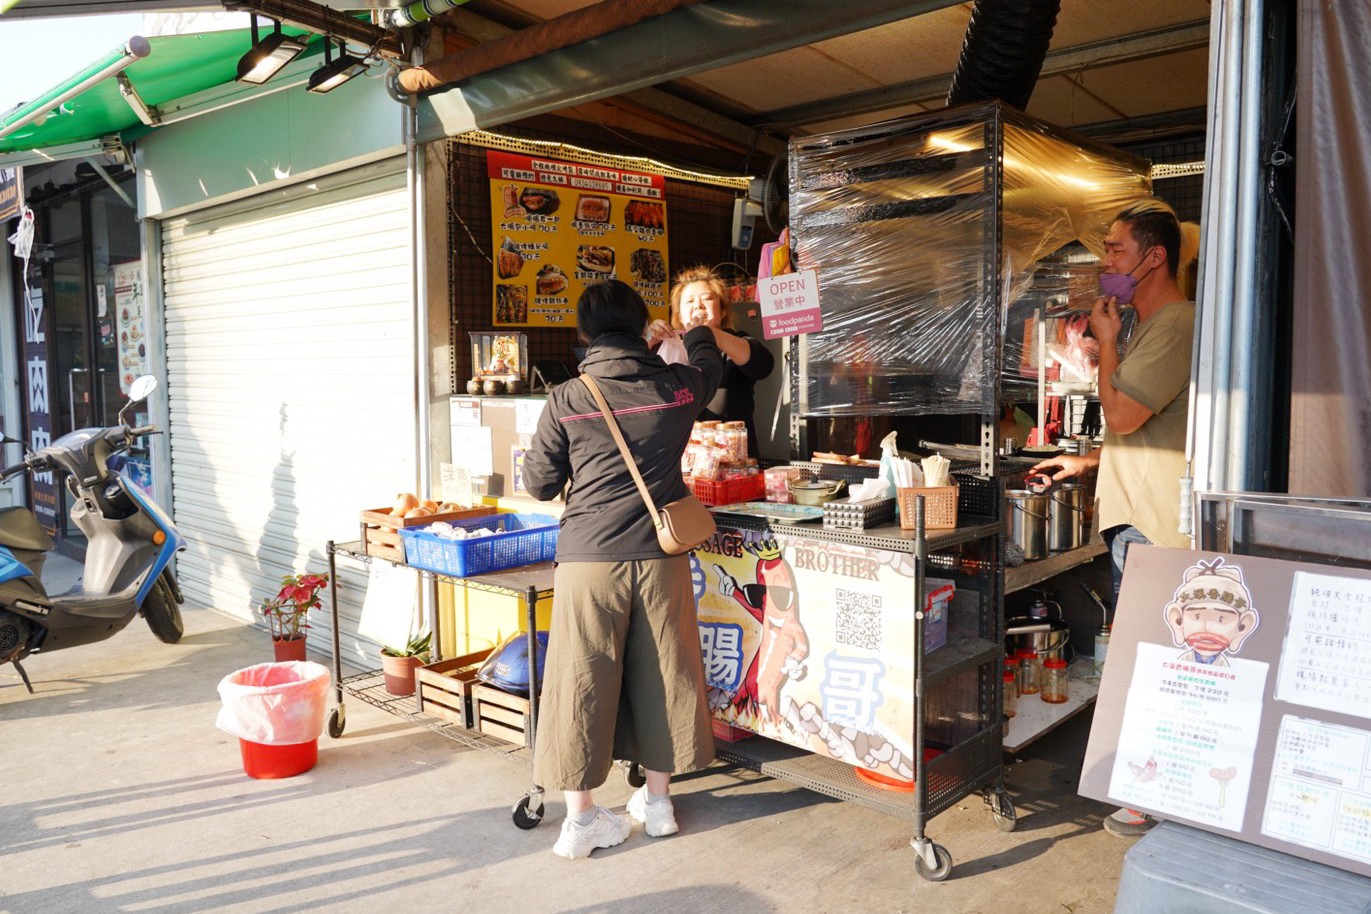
(656,405)
(734,400)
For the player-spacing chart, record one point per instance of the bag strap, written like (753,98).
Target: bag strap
(623,448)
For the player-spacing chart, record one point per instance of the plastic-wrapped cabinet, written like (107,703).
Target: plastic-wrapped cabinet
(928,232)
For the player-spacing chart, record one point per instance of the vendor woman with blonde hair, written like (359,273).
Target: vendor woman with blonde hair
(700,296)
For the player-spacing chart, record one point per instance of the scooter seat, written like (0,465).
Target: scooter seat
(19,529)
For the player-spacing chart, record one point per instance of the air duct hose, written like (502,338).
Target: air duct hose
(419,11)
(1002,55)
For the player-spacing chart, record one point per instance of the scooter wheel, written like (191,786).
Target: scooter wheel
(162,614)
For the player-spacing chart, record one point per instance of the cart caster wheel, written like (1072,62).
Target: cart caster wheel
(937,873)
(337,723)
(1002,810)
(633,773)
(528,812)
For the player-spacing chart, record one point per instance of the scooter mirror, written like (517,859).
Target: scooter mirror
(142,388)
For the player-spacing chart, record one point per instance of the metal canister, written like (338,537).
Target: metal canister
(1066,517)
(1026,522)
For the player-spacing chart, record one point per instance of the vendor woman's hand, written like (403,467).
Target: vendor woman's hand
(1067,466)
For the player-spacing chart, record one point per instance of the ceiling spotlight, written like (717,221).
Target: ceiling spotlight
(268,56)
(335,72)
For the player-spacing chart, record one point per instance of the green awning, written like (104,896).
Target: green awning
(177,67)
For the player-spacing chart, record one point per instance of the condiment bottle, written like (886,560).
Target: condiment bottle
(1054,681)
(1011,693)
(1101,648)
(1030,671)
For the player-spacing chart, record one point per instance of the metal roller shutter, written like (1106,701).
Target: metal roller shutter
(290,369)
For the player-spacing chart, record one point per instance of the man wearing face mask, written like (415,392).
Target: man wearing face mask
(1143,395)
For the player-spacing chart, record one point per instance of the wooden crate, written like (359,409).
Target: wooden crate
(500,714)
(444,688)
(381,529)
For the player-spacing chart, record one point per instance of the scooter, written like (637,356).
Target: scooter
(130,544)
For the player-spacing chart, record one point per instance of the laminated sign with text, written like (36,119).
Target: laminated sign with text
(1236,698)
(805,642)
(560,226)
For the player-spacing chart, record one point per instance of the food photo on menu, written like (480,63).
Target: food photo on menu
(595,258)
(593,208)
(540,201)
(511,303)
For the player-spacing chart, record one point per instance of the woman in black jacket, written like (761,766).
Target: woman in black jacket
(624,677)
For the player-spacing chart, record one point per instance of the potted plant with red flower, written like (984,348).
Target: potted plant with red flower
(287,613)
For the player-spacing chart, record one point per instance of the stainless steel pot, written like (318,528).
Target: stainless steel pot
(1046,636)
(1026,522)
(1066,517)
(814,493)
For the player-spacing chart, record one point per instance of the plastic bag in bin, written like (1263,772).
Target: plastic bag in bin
(275,704)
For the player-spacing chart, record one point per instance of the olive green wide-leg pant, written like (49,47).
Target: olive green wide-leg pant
(624,677)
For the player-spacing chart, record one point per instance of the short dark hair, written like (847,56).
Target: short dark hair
(610,307)
(1154,224)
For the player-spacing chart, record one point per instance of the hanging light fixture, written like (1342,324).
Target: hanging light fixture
(267,56)
(335,72)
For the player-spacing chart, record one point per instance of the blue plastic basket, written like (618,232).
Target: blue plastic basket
(522,539)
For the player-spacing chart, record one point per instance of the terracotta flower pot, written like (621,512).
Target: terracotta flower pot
(293,649)
(399,673)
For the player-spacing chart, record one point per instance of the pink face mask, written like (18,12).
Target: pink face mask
(1121,286)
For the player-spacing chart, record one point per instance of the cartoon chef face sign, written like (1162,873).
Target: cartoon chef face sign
(1211,614)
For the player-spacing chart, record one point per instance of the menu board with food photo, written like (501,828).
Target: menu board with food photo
(130,325)
(561,226)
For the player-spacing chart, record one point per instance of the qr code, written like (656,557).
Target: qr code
(859,619)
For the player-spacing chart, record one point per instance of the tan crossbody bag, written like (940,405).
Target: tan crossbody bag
(681,525)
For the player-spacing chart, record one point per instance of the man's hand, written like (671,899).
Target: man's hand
(1106,322)
(1068,466)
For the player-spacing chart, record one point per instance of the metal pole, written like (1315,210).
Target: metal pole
(132,50)
(1242,341)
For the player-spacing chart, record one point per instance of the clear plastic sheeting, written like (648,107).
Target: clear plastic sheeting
(933,236)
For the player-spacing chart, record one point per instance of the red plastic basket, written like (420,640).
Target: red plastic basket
(728,491)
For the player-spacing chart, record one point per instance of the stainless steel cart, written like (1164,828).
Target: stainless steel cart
(529,584)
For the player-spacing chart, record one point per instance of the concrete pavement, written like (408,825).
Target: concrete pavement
(120,796)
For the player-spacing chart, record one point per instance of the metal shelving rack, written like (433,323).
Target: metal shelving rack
(529,583)
(970,761)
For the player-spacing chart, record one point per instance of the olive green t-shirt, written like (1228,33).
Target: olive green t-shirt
(1139,479)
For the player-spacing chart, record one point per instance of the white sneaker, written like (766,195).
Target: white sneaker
(659,816)
(605,830)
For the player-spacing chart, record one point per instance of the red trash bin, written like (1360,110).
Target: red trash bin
(277,712)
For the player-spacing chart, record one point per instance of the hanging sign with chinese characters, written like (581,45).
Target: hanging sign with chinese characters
(810,643)
(790,304)
(561,226)
(1235,698)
